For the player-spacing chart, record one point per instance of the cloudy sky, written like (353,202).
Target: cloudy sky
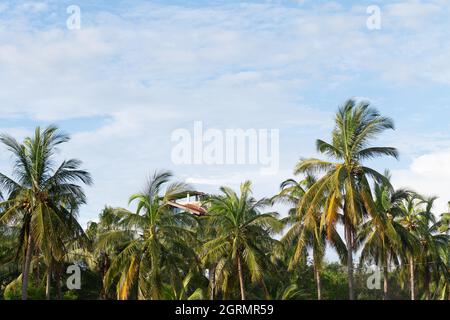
(138,70)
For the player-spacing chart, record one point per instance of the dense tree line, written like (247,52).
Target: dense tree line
(240,249)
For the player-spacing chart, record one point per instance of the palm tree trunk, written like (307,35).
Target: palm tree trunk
(58,282)
(317,277)
(349,240)
(212,277)
(385,279)
(49,280)
(38,274)
(26,267)
(266,291)
(426,283)
(105,266)
(411,279)
(241,276)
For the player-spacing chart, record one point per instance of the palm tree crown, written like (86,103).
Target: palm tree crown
(161,246)
(344,185)
(241,232)
(42,196)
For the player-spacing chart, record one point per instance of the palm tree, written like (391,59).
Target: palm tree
(162,245)
(382,238)
(204,234)
(107,238)
(344,187)
(8,264)
(242,233)
(444,222)
(442,287)
(306,233)
(431,249)
(411,219)
(41,196)
(434,266)
(184,292)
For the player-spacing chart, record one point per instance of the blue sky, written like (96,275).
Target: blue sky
(137,70)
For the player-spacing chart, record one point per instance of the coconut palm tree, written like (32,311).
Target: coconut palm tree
(107,238)
(40,196)
(411,219)
(205,233)
(162,248)
(185,292)
(8,264)
(382,238)
(442,287)
(431,259)
(428,257)
(344,187)
(434,267)
(306,234)
(243,233)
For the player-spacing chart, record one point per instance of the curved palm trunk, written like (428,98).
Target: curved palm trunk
(266,291)
(26,267)
(49,280)
(385,279)
(349,241)
(241,276)
(317,277)
(411,278)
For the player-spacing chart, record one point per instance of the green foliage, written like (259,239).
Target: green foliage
(43,200)
(160,248)
(13,291)
(71,295)
(157,252)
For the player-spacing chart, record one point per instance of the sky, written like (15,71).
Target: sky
(136,71)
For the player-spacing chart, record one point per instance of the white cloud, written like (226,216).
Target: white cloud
(156,68)
(435,165)
(32,7)
(428,174)
(413,9)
